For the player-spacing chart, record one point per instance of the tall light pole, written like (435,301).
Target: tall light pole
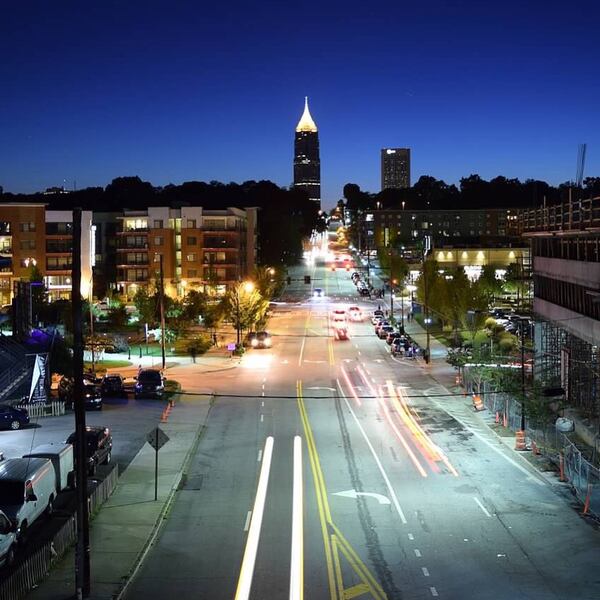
(162,308)
(247,287)
(427,320)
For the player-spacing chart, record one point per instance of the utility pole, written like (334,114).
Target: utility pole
(522,323)
(162,311)
(92,325)
(426,320)
(82,550)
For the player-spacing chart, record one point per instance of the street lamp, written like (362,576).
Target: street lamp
(159,258)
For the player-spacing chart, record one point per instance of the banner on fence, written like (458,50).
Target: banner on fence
(38,392)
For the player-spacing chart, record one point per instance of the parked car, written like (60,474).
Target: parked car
(379,325)
(92,394)
(112,385)
(364,292)
(338,315)
(377,319)
(391,336)
(384,331)
(61,456)
(8,540)
(27,490)
(262,340)
(98,447)
(149,384)
(397,346)
(12,417)
(318,293)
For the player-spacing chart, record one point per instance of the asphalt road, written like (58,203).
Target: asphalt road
(400,500)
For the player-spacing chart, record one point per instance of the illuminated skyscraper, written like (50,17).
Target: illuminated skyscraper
(307,165)
(395,168)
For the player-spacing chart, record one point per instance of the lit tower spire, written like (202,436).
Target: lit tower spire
(307,163)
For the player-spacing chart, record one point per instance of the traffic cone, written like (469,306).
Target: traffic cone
(520,441)
(477,403)
(535,448)
(504,421)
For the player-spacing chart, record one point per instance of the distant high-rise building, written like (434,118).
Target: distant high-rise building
(395,168)
(307,164)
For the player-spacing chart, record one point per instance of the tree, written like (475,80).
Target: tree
(489,285)
(147,306)
(245,307)
(195,304)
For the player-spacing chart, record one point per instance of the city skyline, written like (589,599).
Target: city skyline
(182,94)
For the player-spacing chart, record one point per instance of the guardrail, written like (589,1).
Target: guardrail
(37,565)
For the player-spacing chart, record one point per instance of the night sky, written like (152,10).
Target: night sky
(178,91)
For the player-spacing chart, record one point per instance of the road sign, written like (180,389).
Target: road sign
(231,347)
(157,438)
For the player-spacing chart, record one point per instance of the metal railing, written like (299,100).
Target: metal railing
(55,408)
(36,566)
(567,216)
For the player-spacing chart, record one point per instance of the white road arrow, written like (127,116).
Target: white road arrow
(354,494)
(321,388)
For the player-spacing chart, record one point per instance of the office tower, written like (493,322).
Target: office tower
(395,168)
(307,165)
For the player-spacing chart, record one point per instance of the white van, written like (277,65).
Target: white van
(27,490)
(8,540)
(61,456)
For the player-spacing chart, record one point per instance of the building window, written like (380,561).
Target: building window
(27,227)
(192,273)
(190,257)
(158,241)
(58,263)
(158,224)
(192,241)
(191,223)
(27,244)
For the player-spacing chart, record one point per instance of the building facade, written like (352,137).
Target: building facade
(307,162)
(565,244)
(31,235)
(208,250)
(395,168)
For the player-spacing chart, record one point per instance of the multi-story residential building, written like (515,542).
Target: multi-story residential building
(201,249)
(31,235)
(565,244)
(395,168)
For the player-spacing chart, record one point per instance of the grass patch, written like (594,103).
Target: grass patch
(103,365)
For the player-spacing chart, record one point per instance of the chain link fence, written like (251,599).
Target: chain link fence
(569,459)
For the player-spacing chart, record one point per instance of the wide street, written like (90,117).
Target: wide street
(330,470)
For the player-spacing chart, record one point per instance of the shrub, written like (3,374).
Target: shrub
(199,344)
(507,343)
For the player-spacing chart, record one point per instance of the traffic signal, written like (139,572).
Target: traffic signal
(307,279)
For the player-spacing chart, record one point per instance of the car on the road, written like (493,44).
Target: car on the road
(378,312)
(149,384)
(112,385)
(384,331)
(92,393)
(355,313)
(338,315)
(364,292)
(12,417)
(377,319)
(391,336)
(98,447)
(262,339)
(318,293)
(340,332)
(397,346)
(250,339)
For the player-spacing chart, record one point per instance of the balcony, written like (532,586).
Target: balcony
(133,263)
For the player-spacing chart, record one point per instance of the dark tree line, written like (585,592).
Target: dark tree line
(284,216)
(429,193)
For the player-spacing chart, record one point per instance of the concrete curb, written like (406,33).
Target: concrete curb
(139,561)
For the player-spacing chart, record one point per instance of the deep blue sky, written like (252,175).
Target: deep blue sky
(176,91)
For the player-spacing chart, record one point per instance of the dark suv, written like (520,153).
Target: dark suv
(112,385)
(98,446)
(91,393)
(149,384)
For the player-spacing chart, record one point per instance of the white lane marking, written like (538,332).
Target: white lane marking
(263,386)
(433,591)
(373,380)
(297,561)
(417,553)
(354,494)
(359,353)
(301,350)
(482,507)
(264,379)
(425,571)
(262,418)
(247,523)
(249,560)
(259,456)
(262,403)
(262,393)
(368,372)
(411,536)
(489,444)
(377,461)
